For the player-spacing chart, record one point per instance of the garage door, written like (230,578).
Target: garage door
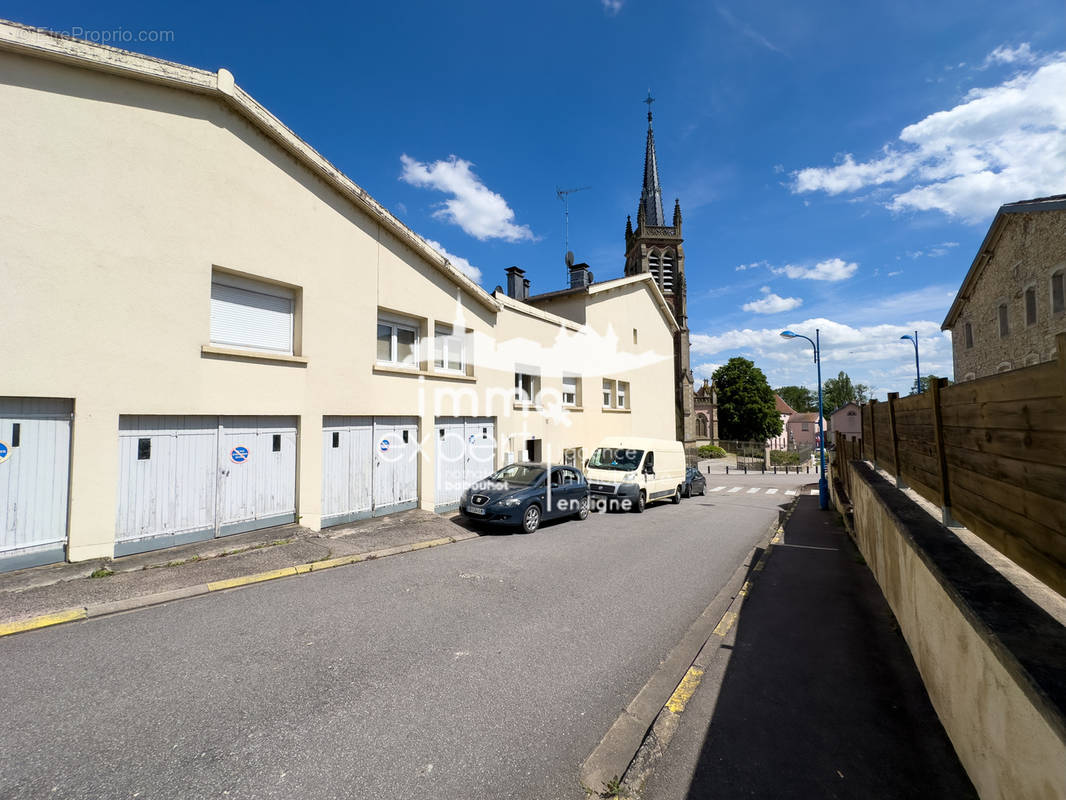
(188,478)
(369,467)
(34,479)
(465,453)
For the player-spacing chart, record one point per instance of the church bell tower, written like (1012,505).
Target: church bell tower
(655,247)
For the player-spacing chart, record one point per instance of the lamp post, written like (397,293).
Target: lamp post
(823,484)
(917,369)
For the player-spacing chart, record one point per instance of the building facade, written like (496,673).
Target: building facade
(784,411)
(705,402)
(216,330)
(1012,302)
(802,430)
(655,248)
(846,420)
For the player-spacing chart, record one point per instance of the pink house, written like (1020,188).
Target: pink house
(847,420)
(780,442)
(802,430)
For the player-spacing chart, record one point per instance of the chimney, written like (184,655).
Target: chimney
(580,276)
(517,283)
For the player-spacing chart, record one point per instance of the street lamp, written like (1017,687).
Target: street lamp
(823,484)
(917,369)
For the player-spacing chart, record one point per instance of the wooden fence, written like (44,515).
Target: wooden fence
(990,452)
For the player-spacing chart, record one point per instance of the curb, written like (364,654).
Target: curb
(144,601)
(631,748)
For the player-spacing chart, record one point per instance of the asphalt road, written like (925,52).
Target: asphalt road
(484,669)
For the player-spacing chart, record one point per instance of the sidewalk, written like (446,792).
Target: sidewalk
(809,691)
(41,596)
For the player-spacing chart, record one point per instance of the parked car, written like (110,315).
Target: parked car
(695,483)
(629,472)
(518,495)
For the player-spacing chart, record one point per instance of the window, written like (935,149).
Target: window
(251,315)
(448,351)
(608,393)
(668,272)
(16,434)
(1058,299)
(806,426)
(1004,323)
(336,439)
(144,449)
(1030,306)
(570,383)
(526,386)
(969,335)
(276,443)
(397,342)
(623,394)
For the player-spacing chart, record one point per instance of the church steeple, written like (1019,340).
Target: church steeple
(651,196)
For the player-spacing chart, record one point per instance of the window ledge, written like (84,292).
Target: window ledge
(251,355)
(617,411)
(573,409)
(385,369)
(527,407)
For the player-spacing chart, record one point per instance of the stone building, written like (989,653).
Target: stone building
(705,403)
(655,248)
(1012,303)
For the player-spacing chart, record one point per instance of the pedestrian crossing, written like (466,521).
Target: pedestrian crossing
(755,490)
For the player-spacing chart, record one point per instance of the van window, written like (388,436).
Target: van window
(649,462)
(620,459)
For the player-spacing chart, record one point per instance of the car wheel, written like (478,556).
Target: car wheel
(638,507)
(583,511)
(677,496)
(530,519)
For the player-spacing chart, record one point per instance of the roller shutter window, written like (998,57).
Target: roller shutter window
(251,315)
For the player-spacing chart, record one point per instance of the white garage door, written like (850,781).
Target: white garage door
(34,477)
(369,467)
(188,478)
(465,453)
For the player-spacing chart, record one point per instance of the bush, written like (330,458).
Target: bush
(781,458)
(711,451)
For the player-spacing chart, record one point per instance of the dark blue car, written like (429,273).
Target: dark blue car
(518,495)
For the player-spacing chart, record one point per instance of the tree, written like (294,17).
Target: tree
(863,393)
(800,398)
(746,408)
(927,381)
(836,392)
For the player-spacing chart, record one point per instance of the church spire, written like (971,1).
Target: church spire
(651,196)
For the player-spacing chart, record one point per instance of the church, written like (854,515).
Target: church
(655,247)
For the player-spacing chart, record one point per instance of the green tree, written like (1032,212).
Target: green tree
(863,393)
(800,398)
(837,392)
(926,382)
(746,408)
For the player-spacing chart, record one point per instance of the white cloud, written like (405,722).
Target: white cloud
(834,269)
(612,7)
(999,144)
(870,354)
(753,265)
(704,371)
(771,303)
(473,206)
(458,262)
(1004,54)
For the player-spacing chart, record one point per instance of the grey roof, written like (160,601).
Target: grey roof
(651,196)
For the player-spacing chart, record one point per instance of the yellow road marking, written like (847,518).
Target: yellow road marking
(43,621)
(745,589)
(684,691)
(244,580)
(725,623)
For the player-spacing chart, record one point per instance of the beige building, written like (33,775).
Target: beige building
(211,329)
(1012,302)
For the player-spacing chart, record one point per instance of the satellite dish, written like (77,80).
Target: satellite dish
(569,258)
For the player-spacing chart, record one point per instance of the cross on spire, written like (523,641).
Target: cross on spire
(649,100)
(651,196)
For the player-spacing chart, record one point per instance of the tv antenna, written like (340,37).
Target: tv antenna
(564,195)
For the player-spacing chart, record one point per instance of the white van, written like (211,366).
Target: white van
(630,472)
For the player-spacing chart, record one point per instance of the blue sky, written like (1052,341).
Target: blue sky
(838,164)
